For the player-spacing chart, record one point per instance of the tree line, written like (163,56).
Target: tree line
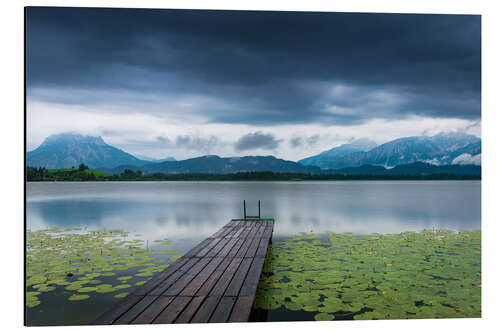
(83,173)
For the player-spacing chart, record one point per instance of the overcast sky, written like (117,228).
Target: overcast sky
(188,83)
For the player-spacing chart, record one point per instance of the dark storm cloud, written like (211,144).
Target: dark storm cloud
(205,145)
(257,140)
(259,67)
(298,141)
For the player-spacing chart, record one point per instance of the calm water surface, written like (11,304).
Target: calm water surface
(187,212)
(196,209)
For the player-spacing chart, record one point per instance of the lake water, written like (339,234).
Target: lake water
(197,209)
(187,212)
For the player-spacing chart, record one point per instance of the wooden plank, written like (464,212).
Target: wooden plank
(234,287)
(203,252)
(153,310)
(172,311)
(249,223)
(253,231)
(134,311)
(236,247)
(216,249)
(214,277)
(197,248)
(238,233)
(189,275)
(234,223)
(223,310)
(232,232)
(206,309)
(225,279)
(252,249)
(227,248)
(261,230)
(114,313)
(262,249)
(201,278)
(228,228)
(244,247)
(165,284)
(245,233)
(268,233)
(242,309)
(189,311)
(226,232)
(221,232)
(157,279)
(216,281)
(252,278)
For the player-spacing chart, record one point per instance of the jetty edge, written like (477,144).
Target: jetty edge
(214,282)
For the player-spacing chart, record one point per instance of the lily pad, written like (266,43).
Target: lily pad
(105,288)
(75,258)
(324,316)
(87,289)
(123,286)
(77,297)
(125,278)
(392,276)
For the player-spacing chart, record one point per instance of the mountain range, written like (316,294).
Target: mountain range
(441,149)
(68,150)
(220,165)
(454,153)
(156,160)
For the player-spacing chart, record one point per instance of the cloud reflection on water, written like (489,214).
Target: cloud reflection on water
(197,209)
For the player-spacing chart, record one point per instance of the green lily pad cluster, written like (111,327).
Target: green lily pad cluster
(76,260)
(426,274)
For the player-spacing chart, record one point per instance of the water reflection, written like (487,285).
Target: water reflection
(195,210)
(187,212)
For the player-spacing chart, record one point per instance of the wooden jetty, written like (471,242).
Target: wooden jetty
(214,282)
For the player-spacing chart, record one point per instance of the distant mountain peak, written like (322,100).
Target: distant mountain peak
(156,160)
(363,144)
(65,150)
(213,164)
(73,137)
(455,135)
(440,149)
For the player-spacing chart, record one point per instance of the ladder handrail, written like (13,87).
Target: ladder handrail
(245,216)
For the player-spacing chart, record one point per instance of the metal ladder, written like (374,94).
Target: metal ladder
(245,216)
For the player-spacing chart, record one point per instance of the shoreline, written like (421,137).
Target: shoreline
(262,180)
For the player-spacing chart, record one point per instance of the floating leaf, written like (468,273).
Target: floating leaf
(124,278)
(123,286)
(406,275)
(94,282)
(46,288)
(87,289)
(74,258)
(323,316)
(105,288)
(77,297)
